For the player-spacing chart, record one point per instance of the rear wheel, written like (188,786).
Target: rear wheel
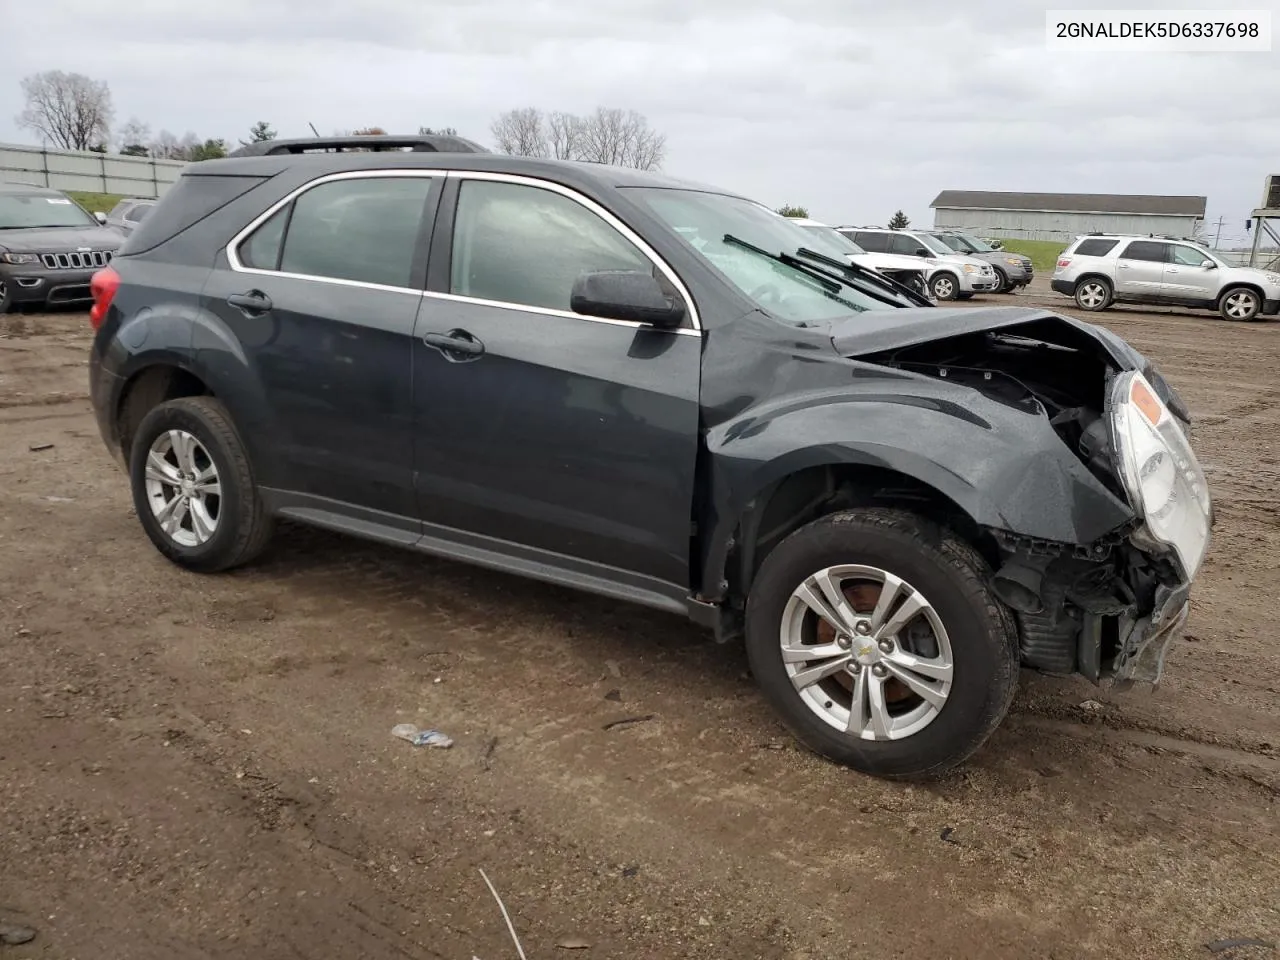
(193,488)
(875,635)
(1093,294)
(1240,303)
(945,286)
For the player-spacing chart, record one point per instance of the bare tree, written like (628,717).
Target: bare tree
(521,133)
(622,138)
(564,135)
(438,131)
(369,132)
(165,146)
(133,138)
(67,109)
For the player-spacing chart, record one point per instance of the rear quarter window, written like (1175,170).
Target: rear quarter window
(186,203)
(1095,247)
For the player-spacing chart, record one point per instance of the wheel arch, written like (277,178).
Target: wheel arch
(1238,285)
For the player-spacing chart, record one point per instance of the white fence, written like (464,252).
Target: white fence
(90,172)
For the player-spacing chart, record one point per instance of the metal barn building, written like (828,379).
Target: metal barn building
(1063,216)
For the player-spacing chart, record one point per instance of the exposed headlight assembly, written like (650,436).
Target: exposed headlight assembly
(1160,472)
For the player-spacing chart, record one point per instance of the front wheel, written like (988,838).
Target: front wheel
(1240,303)
(1002,282)
(945,286)
(875,635)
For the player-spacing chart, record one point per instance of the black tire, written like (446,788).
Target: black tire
(1232,301)
(1002,282)
(6,296)
(1094,294)
(944,285)
(243,525)
(955,580)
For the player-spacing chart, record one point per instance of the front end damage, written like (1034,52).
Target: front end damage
(1111,608)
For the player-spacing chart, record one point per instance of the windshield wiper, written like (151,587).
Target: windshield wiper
(867,274)
(825,280)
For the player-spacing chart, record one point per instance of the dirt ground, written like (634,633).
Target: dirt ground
(201,766)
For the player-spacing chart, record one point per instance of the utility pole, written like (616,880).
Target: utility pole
(1218,235)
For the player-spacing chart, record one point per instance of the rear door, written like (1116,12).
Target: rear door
(572,438)
(322,294)
(1140,268)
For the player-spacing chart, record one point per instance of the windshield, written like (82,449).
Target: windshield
(719,229)
(835,236)
(20,210)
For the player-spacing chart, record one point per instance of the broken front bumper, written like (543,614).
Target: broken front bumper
(1146,642)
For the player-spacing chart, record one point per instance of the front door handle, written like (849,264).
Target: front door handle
(1171,270)
(456,345)
(253,302)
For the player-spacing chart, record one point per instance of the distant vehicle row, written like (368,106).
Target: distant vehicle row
(954,265)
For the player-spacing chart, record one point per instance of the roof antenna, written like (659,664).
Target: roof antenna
(313,128)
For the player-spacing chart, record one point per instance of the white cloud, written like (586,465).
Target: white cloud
(851,109)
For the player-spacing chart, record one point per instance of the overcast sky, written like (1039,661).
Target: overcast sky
(851,108)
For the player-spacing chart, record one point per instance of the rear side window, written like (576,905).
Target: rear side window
(363,230)
(1146,250)
(262,250)
(186,203)
(872,242)
(1095,247)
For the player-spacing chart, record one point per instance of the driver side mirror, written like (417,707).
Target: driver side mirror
(100,217)
(633,295)
(1208,265)
(921,252)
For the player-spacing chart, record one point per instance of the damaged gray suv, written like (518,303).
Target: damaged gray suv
(663,393)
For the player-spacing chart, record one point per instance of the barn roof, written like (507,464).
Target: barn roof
(1073,202)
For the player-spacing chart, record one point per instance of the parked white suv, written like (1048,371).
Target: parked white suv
(908,271)
(1102,269)
(953,276)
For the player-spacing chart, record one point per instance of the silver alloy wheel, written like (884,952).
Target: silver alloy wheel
(1092,295)
(944,288)
(875,652)
(1241,305)
(183,488)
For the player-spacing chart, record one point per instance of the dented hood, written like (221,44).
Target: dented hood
(880,331)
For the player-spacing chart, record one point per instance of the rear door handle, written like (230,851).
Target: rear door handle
(456,345)
(255,301)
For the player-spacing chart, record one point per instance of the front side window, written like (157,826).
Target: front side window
(521,244)
(932,243)
(873,242)
(721,229)
(1188,256)
(1146,250)
(906,245)
(364,230)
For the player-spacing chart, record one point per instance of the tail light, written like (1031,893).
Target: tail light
(103,286)
(1064,262)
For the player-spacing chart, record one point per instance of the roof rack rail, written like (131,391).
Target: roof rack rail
(415,143)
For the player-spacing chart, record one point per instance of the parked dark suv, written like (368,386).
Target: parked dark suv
(662,393)
(49,247)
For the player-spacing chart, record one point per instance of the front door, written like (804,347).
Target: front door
(574,438)
(322,297)
(1186,276)
(1140,269)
